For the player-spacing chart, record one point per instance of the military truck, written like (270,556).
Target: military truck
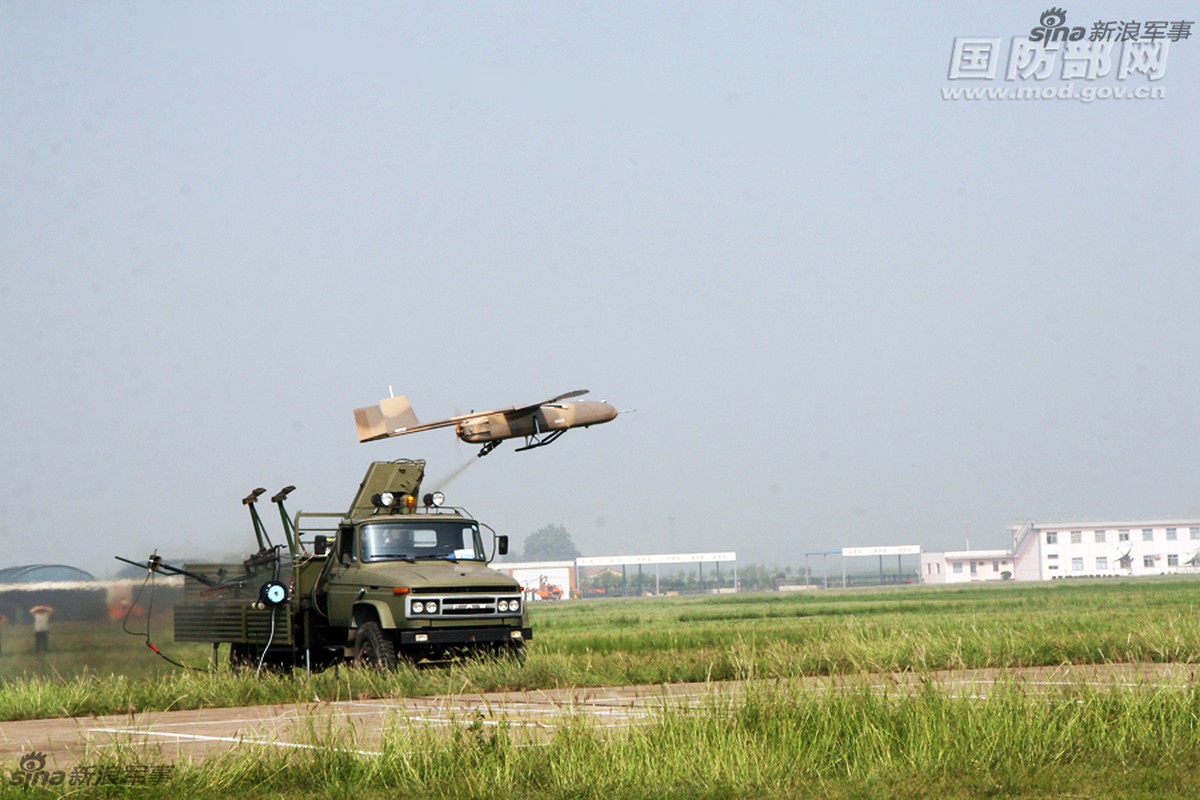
(399,575)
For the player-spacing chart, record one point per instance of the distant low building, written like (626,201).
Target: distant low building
(542,580)
(44,573)
(966,566)
(1052,551)
(73,593)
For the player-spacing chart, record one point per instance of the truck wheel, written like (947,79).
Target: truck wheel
(372,648)
(239,658)
(248,657)
(515,652)
(503,651)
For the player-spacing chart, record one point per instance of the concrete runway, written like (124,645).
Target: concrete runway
(359,725)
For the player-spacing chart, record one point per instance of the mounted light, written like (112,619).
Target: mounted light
(434,499)
(393,500)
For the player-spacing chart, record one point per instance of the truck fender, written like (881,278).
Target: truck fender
(365,610)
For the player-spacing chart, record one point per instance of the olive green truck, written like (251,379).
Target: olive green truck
(399,575)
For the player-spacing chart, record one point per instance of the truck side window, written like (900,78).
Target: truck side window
(346,545)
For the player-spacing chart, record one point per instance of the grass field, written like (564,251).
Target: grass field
(782,740)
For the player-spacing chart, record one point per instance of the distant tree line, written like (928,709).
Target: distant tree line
(551,543)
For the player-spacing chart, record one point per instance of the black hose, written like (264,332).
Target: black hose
(149,613)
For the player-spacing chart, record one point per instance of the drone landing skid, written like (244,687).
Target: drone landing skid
(535,440)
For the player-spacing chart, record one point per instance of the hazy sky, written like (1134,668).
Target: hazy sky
(847,310)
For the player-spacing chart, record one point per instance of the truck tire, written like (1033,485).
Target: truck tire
(239,658)
(372,648)
(512,651)
(245,657)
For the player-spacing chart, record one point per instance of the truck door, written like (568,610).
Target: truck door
(342,588)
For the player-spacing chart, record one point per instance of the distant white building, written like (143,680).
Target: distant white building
(1152,547)
(965,566)
(1043,552)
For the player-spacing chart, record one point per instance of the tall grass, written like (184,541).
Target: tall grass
(656,640)
(778,739)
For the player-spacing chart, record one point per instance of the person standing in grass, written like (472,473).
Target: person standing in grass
(41,628)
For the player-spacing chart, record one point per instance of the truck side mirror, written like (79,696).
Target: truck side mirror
(320,545)
(502,545)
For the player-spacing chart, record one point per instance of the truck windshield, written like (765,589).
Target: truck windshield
(428,539)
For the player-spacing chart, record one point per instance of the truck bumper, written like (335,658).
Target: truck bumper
(465,636)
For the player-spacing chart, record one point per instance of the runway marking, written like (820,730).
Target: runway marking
(199,737)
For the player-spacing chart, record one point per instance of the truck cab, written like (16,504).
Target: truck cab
(416,579)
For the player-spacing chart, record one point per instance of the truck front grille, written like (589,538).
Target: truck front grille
(468,606)
(464,606)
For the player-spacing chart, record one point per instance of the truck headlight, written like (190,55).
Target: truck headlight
(431,607)
(418,607)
